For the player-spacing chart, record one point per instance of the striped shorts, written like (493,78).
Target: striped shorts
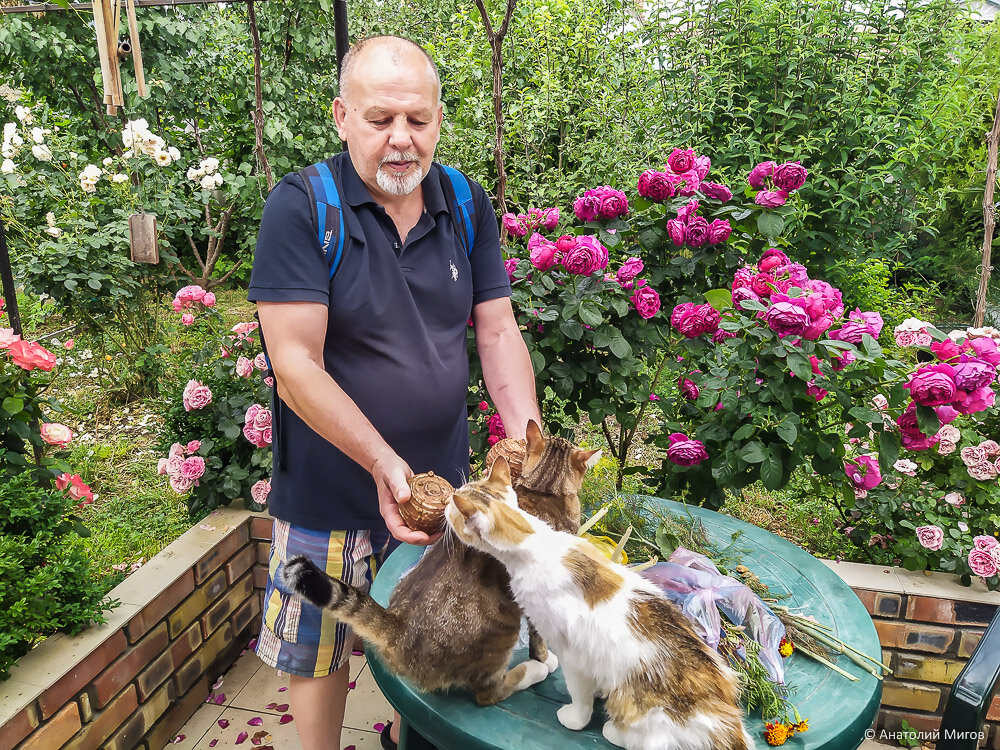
(297,637)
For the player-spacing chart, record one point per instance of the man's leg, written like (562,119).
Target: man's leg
(318,704)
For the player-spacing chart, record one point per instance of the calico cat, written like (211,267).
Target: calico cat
(452,621)
(617,635)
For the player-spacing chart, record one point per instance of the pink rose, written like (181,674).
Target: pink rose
(789,176)
(8,337)
(196,395)
(192,468)
(760,173)
(28,355)
(985,543)
(743,277)
(983,563)
(586,207)
(946,447)
(244,367)
(771,198)
(193,446)
(191,293)
(582,260)
(565,243)
(983,472)
(550,218)
(514,224)
(75,487)
(719,231)
(771,259)
(697,231)
(972,374)
(762,284)
(905,466)
(646,301)
(970,402)
(991,447)
(655,186)
(933,385)
(178,305)
(986,348)
(681,160)
(495,426)
(510,265)
(905,338)
(260,361)
(208,300)
(629,270)
(952,434)
(262,419)
(242,329)
(613,204)
(954,498)
(265,436)
(972,455)
(187,319)
(715,191)
(863,472)
(930,537)
(702,165)
(787,319)
(54,433)
(677,230)
(543,254)
(742,294)
(689,390)
(685,451)
(179,484)
(260,490)
(161,466)
(946,350)
(698,320)
(269,381)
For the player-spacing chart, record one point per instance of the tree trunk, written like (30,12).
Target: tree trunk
(989,216)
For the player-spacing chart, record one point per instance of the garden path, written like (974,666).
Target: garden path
(250,686)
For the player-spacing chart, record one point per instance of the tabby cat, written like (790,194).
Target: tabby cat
(451,621)
(616,634)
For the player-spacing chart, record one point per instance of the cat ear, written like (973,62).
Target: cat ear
(584,460)
(500,472)
(465,506)
(535,440)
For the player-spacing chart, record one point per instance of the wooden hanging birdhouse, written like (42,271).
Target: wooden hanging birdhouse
(142,238)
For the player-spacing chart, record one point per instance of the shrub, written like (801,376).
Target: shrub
(48,584)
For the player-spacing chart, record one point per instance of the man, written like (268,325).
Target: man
(370,366)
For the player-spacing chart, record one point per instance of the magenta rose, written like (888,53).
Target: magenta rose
(629,270)
(599,251)
(677,230)
(646,301)
(655,185)
(196,395)
(933,385)
(544,255)
(581,260)
(721,334)
(909,431)
(586,207)
(550,218)
(986,348)
(823,298)
(716,191)
(510,265)
(697,231)
(789,176)
(973,374)
(970,402)
(771,198)
(719,231)
(760,173)
(685,451)
(681,160)
(771,259)
(930,537)
(863,472)
(702,165)
(687,211)
(787,319)
(565,243)
(983,563)
(698,320)
(743,277)
(762,284)
(680,312)
(688,389)
(515,224)
(743,293)
(613,203)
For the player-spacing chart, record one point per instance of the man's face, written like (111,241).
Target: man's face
(392,122)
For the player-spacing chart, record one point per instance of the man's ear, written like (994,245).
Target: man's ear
(340,116)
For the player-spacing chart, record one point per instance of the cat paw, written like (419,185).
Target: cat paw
(613,735)
(573,716)
(299,576)
(552,662)
(534,672)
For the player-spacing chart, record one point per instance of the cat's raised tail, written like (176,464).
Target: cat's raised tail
(369,619)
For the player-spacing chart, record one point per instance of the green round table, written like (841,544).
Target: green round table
(839,710)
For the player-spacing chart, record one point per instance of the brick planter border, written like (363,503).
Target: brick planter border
(189,612)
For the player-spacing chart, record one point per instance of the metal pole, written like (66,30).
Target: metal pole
(7,277)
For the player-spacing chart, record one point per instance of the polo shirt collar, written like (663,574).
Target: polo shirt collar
(356,192)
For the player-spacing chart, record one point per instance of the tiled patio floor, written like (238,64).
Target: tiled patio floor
(250,685)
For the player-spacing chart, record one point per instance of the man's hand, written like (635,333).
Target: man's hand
(392,474)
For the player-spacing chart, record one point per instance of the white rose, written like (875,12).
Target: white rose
(73,154)
(194,174)
(11,95)
(217,178)
(50,219)
(210,164)
(207,182)
(38,135)
(162,158)
(119,178)
(108,161)
(41,152)
(9,128)
(91,172)
(8,151)
(54,231)
(7,167)
(88,186)
(24,114)
(174,153)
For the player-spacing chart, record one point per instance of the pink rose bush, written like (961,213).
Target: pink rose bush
(196,395)
(601,204)
(76,488)
(685,451)
(519,225)
(182,466)
(257,425)
(774,182)
(190,298)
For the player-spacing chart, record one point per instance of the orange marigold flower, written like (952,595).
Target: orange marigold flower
(786,647)
(775,733)
(802,726)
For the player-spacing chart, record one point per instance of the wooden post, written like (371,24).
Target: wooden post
(989,215)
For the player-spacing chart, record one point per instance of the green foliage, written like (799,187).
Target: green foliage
(48,585)
(232,464)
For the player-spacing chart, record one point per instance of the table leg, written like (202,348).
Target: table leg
(410,740)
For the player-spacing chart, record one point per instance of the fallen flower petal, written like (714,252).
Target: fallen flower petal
(178,738)
(217,685)
(259,737)
(213,743)
(281,707)
(270,706)
(210,698)
(220,699)
(223,723)
(256,721)
(285,718)
(242,737)
(352,684)
(378,727)
(282,689)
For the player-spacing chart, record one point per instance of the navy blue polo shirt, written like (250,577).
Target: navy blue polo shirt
(395,338)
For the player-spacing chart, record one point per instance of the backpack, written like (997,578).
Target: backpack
(328,213)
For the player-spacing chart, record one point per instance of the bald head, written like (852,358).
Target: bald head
(386,52)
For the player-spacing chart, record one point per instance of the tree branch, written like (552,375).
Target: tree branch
(258,119)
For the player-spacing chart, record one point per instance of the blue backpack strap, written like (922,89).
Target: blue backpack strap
(462,208)
(327,211)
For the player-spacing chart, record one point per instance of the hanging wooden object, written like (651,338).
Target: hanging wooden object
(142,238)
(133,35)
(107,24)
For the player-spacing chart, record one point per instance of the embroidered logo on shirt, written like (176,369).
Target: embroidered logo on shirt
(454,270)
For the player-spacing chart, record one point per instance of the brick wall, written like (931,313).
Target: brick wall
(928,625)
(133,682)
